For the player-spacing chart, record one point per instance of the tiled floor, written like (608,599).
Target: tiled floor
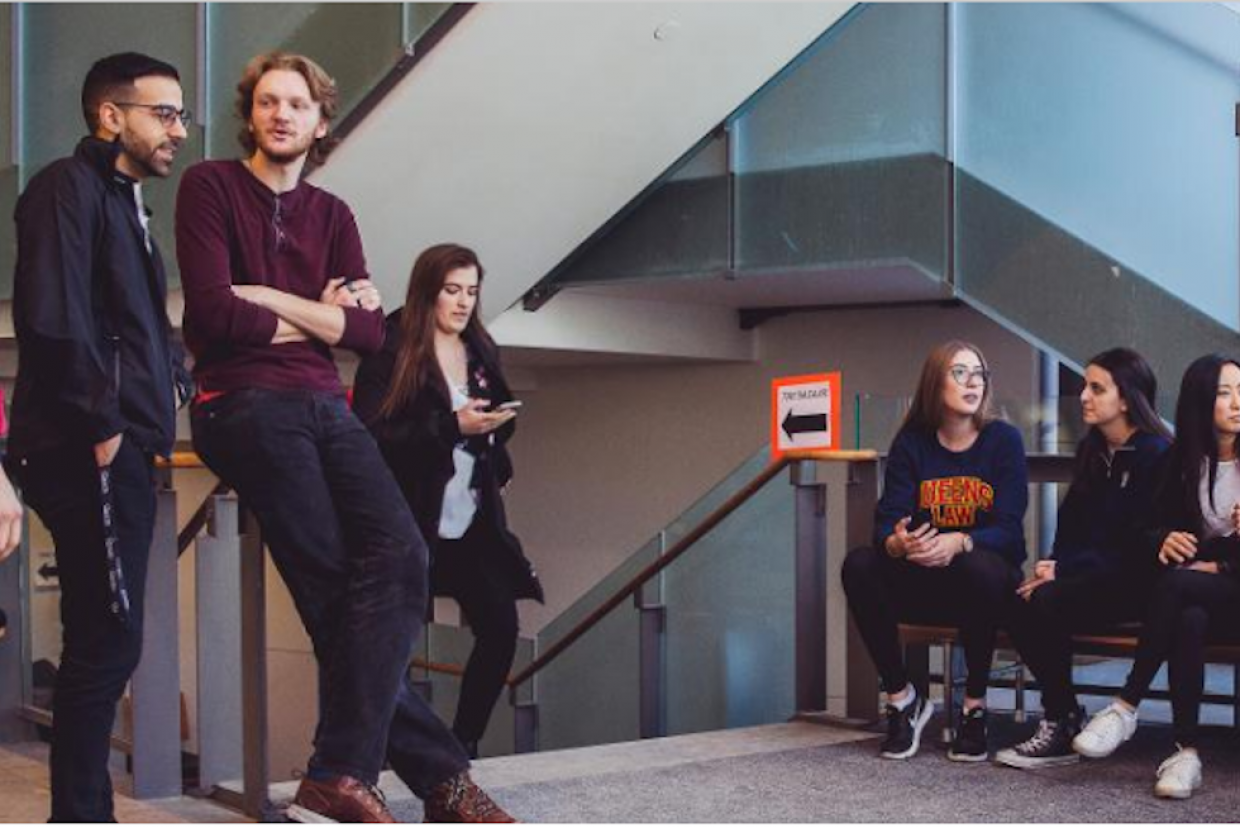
(24,796)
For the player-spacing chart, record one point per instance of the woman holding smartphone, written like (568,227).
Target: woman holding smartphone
(948,542)
(436,400)
(1198,517)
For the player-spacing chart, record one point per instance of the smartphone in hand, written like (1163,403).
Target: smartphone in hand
(512,405)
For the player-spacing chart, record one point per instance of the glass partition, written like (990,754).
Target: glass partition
(1109,124)
(730,601)
(60,42)
(357,43)
(839,162)
(601,666)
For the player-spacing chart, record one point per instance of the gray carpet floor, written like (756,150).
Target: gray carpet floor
(849,783)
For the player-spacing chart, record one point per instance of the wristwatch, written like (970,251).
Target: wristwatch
(967,543)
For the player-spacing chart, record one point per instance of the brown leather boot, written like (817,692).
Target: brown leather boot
(460,801)
(342,799)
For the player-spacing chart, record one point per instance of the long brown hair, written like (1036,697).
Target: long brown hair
(322,91)
(415,360)
(926,414)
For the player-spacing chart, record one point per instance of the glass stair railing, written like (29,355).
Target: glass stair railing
(726,608)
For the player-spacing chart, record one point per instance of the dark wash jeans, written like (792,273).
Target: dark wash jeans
(99,654)
(345,543)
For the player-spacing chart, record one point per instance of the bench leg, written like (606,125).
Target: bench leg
(949,691)
(1235,697)
(1019,714)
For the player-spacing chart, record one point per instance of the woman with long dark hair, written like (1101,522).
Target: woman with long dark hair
(1100,571)
(439,406)
(1198,516)
(948,542)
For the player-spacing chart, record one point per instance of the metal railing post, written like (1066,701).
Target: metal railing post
(861,693)
(217,567)
(156,685)
(524,718)
(256,801)
(652,654)
(14,662)
(811,587)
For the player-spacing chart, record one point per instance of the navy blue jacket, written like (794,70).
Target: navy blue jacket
(1099,532)
(982,491)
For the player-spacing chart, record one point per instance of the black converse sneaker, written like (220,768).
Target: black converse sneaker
(904,728)
(969,745)
(1050,746)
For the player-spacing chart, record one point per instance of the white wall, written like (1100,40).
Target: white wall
(531,124)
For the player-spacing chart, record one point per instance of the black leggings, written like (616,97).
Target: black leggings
(472,572)
(970,594)
(1185,607)
(1042,628)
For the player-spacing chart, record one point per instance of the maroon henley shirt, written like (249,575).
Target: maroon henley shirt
(232,229)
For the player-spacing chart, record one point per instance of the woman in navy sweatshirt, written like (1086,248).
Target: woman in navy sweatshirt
(948,542)
(1101,569)
(1197,517)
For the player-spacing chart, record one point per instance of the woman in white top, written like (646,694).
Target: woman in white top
(1198,596)
(435,399)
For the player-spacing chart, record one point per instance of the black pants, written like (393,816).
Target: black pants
(1042,628)
(471,571)
(99,654)
(1185,607)
(346,545)
(970,593)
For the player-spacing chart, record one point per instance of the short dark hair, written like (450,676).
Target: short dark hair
(113,76)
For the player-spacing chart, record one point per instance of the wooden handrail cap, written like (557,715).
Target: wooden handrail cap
(181,459)
(818,455)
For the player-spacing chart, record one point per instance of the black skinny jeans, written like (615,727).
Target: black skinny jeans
(346,545)
(1042,628)
(471,571)
(99,655)
(970,593)
(1185,608)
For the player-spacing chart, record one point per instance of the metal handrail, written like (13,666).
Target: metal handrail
(680,547)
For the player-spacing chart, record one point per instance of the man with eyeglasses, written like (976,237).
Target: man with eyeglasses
(95,398)
(274,277)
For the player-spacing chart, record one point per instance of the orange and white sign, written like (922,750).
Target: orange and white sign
(805,412)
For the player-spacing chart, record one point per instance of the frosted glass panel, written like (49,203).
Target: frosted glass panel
(357,43)
(1114,122)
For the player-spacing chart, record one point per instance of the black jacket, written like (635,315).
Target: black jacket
(1177,509)
(1101,518)
(95,353)
(418,443)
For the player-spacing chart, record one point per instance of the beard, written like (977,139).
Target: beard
(286,154)
(146,157)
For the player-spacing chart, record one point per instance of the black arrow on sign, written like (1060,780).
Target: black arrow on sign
(804,424)
(47,571)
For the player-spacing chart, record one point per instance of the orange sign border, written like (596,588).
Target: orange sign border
(833,383)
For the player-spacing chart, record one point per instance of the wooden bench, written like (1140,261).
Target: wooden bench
(1120,643)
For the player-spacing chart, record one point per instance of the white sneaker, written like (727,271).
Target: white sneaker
(1179,775)
(1105,732)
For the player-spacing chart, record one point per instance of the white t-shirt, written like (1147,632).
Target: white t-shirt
(1226,495)
(460,502)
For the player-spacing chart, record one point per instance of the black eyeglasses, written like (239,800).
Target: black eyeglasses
(168,115)
(963,374)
